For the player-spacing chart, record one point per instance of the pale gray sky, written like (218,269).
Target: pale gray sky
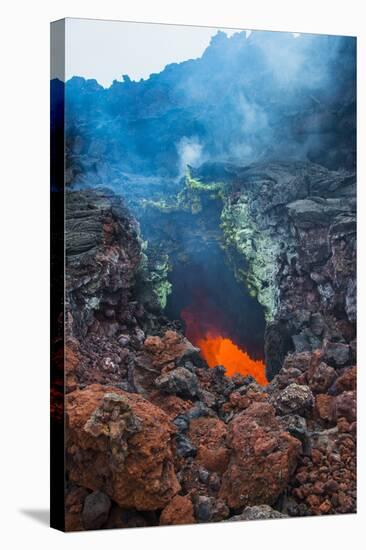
(106,50)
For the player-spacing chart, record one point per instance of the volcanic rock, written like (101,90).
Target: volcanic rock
(336,354)
(74,502)
(210,509)
(324,405)
(179,511)
(179,381)
(321,377)
(96,509)
(294,399)
(345,405)
(325,481)
(120,443)
(208,434)
(72,361)
(168,349)
(347,380)
(192,430)
(263,457)
(184,446)
(296,425)
(121,518)
(262,511)
(98,226)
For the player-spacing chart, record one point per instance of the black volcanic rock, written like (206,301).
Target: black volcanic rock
(96,509)
(179,381)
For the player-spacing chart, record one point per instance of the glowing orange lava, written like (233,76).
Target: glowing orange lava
(218,349)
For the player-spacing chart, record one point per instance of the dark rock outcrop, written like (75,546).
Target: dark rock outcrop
(295,225)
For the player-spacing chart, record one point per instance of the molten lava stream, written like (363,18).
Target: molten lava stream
(217,350)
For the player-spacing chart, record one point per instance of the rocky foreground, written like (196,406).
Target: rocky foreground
(155,436)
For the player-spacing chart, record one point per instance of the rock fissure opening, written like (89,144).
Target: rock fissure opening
(219,313)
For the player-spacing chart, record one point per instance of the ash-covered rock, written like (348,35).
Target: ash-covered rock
(294,399)
(262,511)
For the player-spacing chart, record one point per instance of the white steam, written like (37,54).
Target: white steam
(190,152)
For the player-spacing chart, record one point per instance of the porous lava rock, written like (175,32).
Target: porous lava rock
(179,381)
(263,457)
(262,511)
(179,511)
(169,348)
(294,399)
(120,444)
(208,434)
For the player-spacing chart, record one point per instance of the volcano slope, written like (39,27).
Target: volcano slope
(154,435)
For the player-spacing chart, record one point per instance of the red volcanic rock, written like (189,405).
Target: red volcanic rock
(324,406)
(74,502)
(71,363)
(262,460)
(208,435)
(179,511)
(172,405)
(171,347)
(238,401)
(347,380)
(326,480)
(120,443)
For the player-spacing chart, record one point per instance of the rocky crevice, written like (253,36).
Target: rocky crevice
(156,436)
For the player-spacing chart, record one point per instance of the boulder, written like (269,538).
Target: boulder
(120,444)
(262,459)
(294,399)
